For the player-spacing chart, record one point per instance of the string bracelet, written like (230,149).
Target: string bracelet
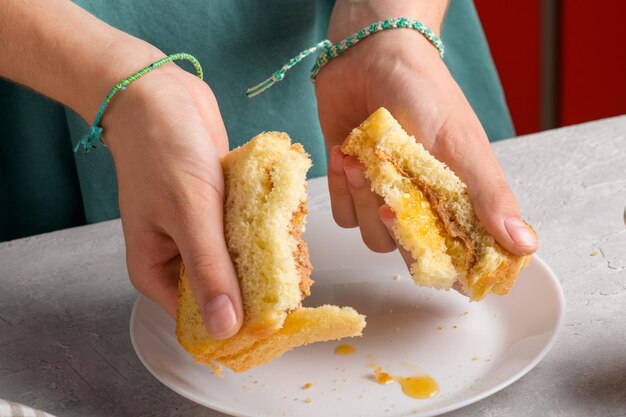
(330,50)
(95,132)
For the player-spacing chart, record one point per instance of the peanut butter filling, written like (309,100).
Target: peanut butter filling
(301,253)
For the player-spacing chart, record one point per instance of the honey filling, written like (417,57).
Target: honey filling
(459,245)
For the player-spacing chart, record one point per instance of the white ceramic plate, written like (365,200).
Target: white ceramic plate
(472,350)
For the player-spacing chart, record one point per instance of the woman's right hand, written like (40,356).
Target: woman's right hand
(166,135)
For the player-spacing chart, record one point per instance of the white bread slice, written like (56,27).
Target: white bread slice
(435,220)
(264,216)
(302,326)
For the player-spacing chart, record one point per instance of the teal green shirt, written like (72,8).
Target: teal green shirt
(44,186)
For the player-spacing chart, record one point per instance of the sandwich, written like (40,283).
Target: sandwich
(264,218)
(434,217)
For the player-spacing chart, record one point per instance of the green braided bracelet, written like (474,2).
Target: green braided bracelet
(331,51)
(95,133)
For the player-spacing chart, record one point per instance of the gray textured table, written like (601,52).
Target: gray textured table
(65,298)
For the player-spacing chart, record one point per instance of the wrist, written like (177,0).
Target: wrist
(350,16)
(125,55)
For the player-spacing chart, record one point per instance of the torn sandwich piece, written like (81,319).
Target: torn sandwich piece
(264,217)
(435,220)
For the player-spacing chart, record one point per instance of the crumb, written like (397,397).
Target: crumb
(594,253)
(307,385)
(334,389)
(455,327)
(390,310)
(308,400)
(439,328)
(464,314)
(496,315)
(397,329)
(475,358)
(285,397)
(255,382)
(397,277)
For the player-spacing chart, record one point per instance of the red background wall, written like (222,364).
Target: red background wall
(589,53)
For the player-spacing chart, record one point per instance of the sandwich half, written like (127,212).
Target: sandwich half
(264,217)
(434,217)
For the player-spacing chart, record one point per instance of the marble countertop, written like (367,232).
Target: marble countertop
(65,298)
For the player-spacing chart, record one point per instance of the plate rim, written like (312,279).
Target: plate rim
(431,413)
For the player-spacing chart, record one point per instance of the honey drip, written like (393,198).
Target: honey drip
(344,350)
(420,387)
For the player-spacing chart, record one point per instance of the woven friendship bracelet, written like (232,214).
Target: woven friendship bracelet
(95,133)
(330,51)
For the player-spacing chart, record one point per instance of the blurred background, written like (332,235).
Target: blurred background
(561,62)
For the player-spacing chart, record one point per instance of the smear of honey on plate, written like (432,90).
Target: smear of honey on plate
(420,387)
(345,350)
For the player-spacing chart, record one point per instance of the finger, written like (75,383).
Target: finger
(155,277)
(340,197)
(497,209)
(212,276)
(366,204)
(387,217)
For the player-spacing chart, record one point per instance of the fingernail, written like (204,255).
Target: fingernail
(356,177)
(386,215)
(520,233)
(219,316)
(336,160)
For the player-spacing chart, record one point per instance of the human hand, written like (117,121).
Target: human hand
(400,70)
(166,135)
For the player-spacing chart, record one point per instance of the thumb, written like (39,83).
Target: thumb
(494,203)
(464,147)
(211,273)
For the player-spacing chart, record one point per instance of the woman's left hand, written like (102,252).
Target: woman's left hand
(400,70)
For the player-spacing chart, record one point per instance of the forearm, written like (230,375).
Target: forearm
(351,15)
(59,50)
